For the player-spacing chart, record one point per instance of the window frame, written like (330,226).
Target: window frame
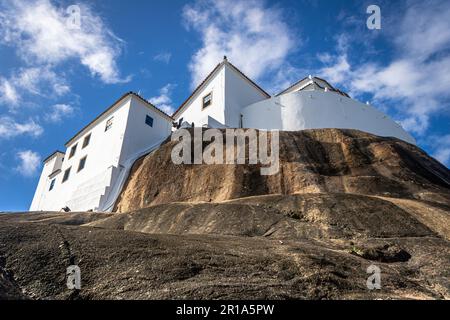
(73,151)
(64,179)
(52,184)
(210,100)
(88,139)
(152,120)
(109,123)
(84,164)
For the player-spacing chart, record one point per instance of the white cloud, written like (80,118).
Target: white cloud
(39,32)
(29,162)
(339,71)
(443,155)
(163,57)
(424,29)
(58,112)
(9,128)
(8,93)
(439,146)
(416,81)
(41,81)
(254,37)
(164,100)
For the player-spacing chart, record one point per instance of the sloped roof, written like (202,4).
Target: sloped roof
(53,154)
(126,95)
(210,75)
(313,80)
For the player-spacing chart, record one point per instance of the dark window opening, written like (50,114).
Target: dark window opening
(149,120)
(82,164)
(73,150)
(109,124)
(86,141)
(52,185)
(207,100)
(66,175)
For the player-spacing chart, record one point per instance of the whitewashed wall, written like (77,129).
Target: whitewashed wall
(138,135)
(105,152)
(50,166)
(102,152)
(193,111)
(230,94)
(239,93)
(317,109)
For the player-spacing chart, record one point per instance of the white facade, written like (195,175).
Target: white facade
(225,99)
(230,91)
(317,108)
(106,153)
(311,103)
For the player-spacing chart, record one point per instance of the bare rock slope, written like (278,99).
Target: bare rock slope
(342,201)
(311,161)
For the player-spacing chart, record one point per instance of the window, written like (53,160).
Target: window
(86,141)
(109,124)
(207,100)
(73,150)
(52,184)
(149,120)
(66,175)
(82,164)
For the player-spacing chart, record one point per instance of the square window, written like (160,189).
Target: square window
(52,185)
(66,175)
(109,124)
(73,151)
(82,164)
(207,100)
(86,140)
(149,120)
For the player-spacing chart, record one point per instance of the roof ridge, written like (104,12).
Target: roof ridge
(243,74)
(218,66)
(52,154)
(313,78)
(129,93)
(147,101)
(198,87)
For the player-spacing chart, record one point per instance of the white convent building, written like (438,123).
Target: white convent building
(92,171)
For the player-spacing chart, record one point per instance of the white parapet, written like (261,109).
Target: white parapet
(318,110)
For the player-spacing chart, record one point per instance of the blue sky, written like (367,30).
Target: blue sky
(54,79)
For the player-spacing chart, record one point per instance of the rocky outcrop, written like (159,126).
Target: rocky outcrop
(311,161)
(284,264)
(342,201)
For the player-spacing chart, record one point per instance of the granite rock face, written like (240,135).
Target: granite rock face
(342,201)
(311,161)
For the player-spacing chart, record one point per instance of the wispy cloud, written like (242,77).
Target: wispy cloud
(253,36)
(163,57)
(8,93)
(416,81)
(440,147)
(164,101)
(58,112)
(29,162)
(39,31)
(9,128)
(33,81)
